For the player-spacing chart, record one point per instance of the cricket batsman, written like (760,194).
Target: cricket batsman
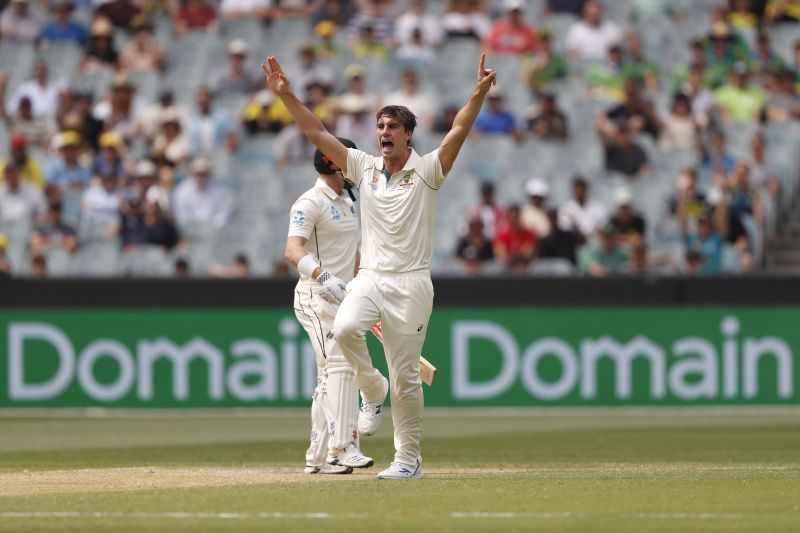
(398,192)
(323,246)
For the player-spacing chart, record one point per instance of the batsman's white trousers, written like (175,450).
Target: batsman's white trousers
(334,406)
(402,303)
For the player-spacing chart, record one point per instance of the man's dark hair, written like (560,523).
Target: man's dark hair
(401,113)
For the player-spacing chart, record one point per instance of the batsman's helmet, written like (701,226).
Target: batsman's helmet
(324,165)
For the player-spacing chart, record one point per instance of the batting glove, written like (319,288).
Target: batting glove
(333,289)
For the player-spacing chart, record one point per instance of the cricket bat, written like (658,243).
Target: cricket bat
(427,372)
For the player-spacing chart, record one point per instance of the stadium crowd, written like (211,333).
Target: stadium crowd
(655,138)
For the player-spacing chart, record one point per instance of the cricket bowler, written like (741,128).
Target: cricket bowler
(398,191)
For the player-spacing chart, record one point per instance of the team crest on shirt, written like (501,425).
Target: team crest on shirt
(374,183)
(337,216)
(406,183)
(298,219)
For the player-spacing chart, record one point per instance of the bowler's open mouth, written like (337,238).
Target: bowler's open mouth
(386,144)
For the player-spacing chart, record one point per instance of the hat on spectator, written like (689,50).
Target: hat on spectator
(623,196)
(201,165)
(101,27)
(66,139)
(513,5)
(110,139)
(537,187)
(325,28)
(145,168)
(237,47)
(18,140)
(264,97)
(354,71)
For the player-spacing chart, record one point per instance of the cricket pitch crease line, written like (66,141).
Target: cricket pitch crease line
(179,515)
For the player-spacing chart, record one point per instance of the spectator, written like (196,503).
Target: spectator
(63,29)
(280,269)
(35,130)
(706,243)
(688,204)
(514,246)
(741,15)
(545,67)
(777,11)
(164,104)
(339,12)
(637,66)
(196,15)
(510,34)
(627,225)
(42,93)
(80,118)
(181,268)
(589,38)
(603,256)
(29,169)
(606,80)
(142,54)
(416,52)
(121,13)
(265,114)
(121,111)
(246,9)
(495,119)
(356,97)
(239,269)
(5,264)
(644,12)
(294,8)
(375,14)
(52,233)
(678,129)
(366,46)
(768,65)
(474,248)
(327,47)
(550,123)
(579,214)
(234,79)
(38,266)
(783,104)
(621,153)
(112,156)
(763,175)
(209,127)
(20,203)
(702,100)
(423,105)
(559,243)
(743,201)
(198,201)
(310,69)
(417,19)
(641,263)
(142,222)
(171,143)
(18,23)
(444,119)
(67,171)
(534,215)
(465,19)
(636,112)
(716,160)
(100,203)
(100,53)
(492,215)
(738,100)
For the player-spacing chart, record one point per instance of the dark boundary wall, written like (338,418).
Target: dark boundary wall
(494,292)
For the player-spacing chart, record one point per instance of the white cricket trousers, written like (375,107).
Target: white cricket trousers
(402,303)
(334,405)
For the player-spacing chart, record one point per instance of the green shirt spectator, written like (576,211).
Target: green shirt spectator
(603,256)
(546,67)
(738,100)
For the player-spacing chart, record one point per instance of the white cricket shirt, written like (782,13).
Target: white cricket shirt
(328,220)
(398,212)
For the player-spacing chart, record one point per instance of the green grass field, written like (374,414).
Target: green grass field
(555,470)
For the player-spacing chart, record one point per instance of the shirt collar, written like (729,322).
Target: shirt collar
(327,191)
(413,161)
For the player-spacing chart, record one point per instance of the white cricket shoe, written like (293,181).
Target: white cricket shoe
(369,417)
(402,471)
(327,469)
(352,457)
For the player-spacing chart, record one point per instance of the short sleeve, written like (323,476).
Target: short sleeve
(357,162)
(432,169)
(302,218)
